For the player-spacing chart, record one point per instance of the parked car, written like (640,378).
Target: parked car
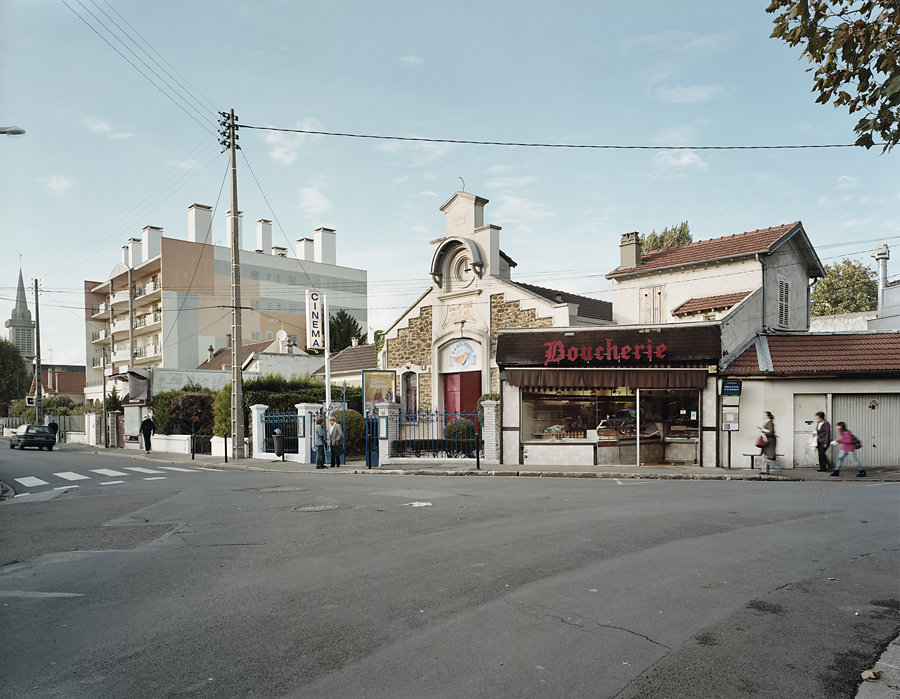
(38,436)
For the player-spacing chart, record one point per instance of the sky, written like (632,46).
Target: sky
(106,152)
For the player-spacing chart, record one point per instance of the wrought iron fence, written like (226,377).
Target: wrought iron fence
(450,435)
(289,422)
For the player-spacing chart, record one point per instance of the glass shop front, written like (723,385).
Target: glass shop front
(582,396)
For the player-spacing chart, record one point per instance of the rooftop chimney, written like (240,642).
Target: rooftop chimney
(279,251)
(134,252)
(305,250)
(240,232)
(354,341)
(882,255)
(630,251)
(263,235)
(211,352)
(150,247)
(325,247)
(199,223)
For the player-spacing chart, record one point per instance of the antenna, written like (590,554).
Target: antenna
(463,183)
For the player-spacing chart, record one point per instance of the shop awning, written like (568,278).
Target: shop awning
(607,378)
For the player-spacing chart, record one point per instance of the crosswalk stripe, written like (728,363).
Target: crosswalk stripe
(141,469)
(66,487)
(176,468)
(155,478)
(107,472)
(111,482)
(31,481)
(71,476)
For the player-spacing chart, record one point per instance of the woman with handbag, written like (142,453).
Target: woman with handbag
(767,442)
(336,442)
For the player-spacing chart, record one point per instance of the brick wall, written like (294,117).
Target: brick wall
(510,314)
(413,345)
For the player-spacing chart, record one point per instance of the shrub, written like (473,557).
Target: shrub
(180,412)
(459,429)
(354,425)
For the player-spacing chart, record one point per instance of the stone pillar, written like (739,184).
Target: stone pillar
(305,443)
(490,430)
(388,429)
(258,430)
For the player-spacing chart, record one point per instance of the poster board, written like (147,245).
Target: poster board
(378,387)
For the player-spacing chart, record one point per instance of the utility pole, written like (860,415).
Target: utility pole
(103,416)
(38,395)
(237,391)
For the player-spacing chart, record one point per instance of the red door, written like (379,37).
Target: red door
(462,391)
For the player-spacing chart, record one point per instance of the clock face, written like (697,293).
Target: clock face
(461,269)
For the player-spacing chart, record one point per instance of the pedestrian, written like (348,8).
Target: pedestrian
(336,442)
(769,439)
(849,445)
(319,441)
(54,428)
(823,441)
(146,429)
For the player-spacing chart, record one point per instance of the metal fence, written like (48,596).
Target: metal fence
(67,423)
(438,435)
(291,426)
(11,422)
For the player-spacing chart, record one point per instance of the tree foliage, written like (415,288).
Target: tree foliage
(14,377)
(341,331)
(848,287)
(855,46)
(667,238)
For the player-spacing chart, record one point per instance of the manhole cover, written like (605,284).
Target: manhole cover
(283,489)
(315,508)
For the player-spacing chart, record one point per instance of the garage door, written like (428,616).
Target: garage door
(874,419)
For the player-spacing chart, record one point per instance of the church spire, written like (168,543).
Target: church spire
(21,311)
(21,328)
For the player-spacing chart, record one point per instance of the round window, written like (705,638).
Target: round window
(462,271)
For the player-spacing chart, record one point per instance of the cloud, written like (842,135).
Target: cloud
(427,193)
(521,212)
(58,184)
(677,162)
(847,182)
(411,60)
(286,146)
(687,94)
(187,164)
(422,154)
(103,127)
(673,41)
(313,203)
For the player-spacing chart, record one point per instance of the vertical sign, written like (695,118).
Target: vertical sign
(315,320)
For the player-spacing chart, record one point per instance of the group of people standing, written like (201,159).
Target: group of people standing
(333,437)
(848,443)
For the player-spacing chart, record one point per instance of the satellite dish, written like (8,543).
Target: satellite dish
(281,335)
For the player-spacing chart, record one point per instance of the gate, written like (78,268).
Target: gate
(289,422)
(873,417)
(447,435)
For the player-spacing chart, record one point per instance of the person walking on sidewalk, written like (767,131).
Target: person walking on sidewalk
(849,445)
(768,450)
(319,441)
(823,441)
(335,441)
(146,429)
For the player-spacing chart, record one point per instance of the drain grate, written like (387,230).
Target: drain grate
(315,508)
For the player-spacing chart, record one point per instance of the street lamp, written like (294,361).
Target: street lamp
(11,130)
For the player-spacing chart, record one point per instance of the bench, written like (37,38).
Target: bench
(755,455)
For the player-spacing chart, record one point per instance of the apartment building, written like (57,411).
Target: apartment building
(169,300)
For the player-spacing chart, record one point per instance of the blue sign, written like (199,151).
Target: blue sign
(731,387)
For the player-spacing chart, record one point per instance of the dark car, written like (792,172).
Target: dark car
(38,436)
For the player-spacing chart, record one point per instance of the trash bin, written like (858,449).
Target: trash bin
(278,440)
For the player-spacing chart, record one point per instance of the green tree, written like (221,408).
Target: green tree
(855,48)
(342,328)
(14,377)
(379,341)
(848,287)
(667,238)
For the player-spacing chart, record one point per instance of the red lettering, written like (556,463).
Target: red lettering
(555,352)
(599,353)
(573,354)
(660,351)
(626,351)
(612,351)
(637,351)
(587,353)
(649,349)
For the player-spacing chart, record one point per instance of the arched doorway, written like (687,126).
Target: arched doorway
(460,362)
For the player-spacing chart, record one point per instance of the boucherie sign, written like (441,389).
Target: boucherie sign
(686,345)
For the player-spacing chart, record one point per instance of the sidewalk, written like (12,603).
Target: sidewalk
(466,467)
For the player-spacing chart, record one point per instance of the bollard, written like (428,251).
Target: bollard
(278,439)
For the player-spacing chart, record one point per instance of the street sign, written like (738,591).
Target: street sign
(731,387)
(730,418)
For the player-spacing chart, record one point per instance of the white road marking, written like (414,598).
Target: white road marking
(176,468)
(107,472)
(31,594)
(111,482)
(66,487)
(31,481)
(22,495)
(71,476)
(141,469)
(156,478)
(217,470)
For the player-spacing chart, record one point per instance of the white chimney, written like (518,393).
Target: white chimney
(263,235)
(240,218)
(150,247)
(305,250)
(125,255)
(199,223)
(882,255)
(134,252)
(325,247)
(630,251)
(279,251)
(354,341)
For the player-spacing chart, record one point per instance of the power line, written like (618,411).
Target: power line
(542,145)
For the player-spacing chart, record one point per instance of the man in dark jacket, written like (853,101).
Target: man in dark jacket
(823,440)
(147,428)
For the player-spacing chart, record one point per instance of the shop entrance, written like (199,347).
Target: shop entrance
(462,391)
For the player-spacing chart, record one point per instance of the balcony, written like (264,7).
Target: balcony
(120,326)
(100,336)
(147,321)
(119,298)
(148,292)
(147,354)
(100,312)
(120,356)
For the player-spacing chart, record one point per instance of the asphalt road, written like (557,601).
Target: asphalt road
(241,584)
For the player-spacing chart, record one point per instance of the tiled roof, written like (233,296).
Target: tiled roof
(824,353)
(62,382)
(359,358)
(710,303)
(737,245)
(587,306)
(221,358)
